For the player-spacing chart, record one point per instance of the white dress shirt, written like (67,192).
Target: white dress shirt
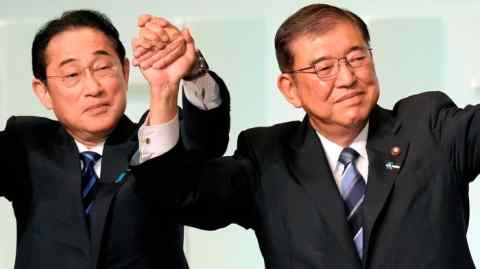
(154,140)
(98,149)
(332,151)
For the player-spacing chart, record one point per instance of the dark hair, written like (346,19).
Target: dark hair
(70,20)
(312,19)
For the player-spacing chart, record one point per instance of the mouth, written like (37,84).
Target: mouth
(348,96)
(97,109)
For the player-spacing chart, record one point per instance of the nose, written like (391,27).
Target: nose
(91,85)
(346,76)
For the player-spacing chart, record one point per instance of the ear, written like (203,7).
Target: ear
(126,70)
(287,85)
(41,90)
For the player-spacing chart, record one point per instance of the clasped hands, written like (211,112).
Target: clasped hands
(164,55)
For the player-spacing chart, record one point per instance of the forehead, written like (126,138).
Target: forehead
(77,44)
(336,42)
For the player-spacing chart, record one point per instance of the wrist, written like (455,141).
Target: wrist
(200,67)
(162,113)
(163,105)
(165,91)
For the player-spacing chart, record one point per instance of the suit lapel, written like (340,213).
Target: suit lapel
(384,166)
(65,155)
(310,167)
(117,151)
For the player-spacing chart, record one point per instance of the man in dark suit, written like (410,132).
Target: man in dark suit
(353,185)
(68,180)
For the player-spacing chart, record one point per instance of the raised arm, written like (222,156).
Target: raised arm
(169,61)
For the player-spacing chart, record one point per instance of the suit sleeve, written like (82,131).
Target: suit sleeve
(4,187)
(11,161)
(207,194)
(458,130)
(206,132)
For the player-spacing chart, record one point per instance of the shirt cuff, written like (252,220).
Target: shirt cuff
(155,140)
(203,92)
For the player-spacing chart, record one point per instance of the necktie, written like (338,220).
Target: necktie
(352,189)
(89,179)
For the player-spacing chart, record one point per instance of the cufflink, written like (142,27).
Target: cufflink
(145,140)
(200,68)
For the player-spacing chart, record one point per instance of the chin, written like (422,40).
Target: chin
(351,124)
(355,121)
(102,125)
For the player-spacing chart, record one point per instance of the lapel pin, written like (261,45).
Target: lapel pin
(121,177)
(395,151)
(390,166)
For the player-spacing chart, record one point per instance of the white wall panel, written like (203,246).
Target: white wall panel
(418,45)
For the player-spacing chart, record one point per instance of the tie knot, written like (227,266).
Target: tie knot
(89,158)
(347,156)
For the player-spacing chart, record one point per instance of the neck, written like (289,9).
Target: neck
(88,140)
(340,135)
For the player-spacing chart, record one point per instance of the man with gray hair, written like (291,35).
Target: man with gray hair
(351,186)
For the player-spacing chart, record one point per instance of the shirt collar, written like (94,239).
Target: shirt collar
(332,150)
(98,148)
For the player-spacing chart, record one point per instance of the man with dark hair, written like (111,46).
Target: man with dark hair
(353,185)
(69,20)
(68,180)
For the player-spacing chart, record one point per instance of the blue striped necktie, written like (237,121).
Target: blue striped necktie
(352,189)
(89,179)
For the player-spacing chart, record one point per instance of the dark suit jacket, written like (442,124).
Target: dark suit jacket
(279,184)
(41,176)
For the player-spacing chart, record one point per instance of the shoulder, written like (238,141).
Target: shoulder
(269,139)
(29,126)
(426,101)
(31,122)
(274,132)
(434,115)
(427,106)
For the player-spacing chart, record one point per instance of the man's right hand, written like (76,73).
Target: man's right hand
(164,55)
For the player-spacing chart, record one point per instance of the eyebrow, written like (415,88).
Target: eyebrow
(98,52)
(354,48)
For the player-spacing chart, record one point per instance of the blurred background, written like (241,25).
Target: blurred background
(418,45)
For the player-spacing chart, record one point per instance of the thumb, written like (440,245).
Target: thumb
(189,40)
(187,35)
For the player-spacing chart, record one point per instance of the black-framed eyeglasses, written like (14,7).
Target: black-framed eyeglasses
(327,68)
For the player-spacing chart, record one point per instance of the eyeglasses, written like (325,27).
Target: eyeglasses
(73,77)
(327,68)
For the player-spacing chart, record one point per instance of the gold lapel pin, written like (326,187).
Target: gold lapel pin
(395,151)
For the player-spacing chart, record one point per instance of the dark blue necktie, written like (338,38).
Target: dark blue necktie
(352,189)
(89,179)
